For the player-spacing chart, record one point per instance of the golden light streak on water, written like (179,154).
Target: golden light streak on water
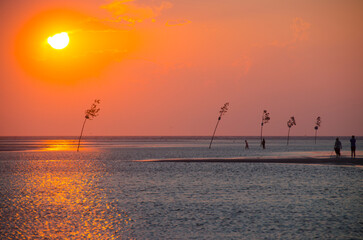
(54,202)
(59,145)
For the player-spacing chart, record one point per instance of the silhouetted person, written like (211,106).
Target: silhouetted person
(246,146)
(337,147)
(352,146)
(263,143)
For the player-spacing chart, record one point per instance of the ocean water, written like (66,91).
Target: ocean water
(49,191)
(149,148)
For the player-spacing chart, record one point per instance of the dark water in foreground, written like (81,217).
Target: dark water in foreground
(114,199)
(53,195)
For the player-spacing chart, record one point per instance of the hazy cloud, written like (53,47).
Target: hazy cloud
(300,29)
(133,11)
(300,33)
(177,22)
(243,64)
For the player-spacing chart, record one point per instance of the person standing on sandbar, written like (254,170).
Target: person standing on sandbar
(337,147)
(352,147)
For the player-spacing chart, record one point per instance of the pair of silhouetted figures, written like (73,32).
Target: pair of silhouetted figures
(262,144)
(338,146)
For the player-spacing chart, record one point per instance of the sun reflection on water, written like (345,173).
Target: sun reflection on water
(61,200)
(59,145)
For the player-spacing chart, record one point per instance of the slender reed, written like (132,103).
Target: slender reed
(223,110)
(265,119)
(290,123)
(91,113)
(317,125)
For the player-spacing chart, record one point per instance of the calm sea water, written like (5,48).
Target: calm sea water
(49,191)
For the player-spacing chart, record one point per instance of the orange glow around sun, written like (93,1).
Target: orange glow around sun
(65,46)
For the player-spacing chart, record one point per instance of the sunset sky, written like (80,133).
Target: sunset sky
(167,67)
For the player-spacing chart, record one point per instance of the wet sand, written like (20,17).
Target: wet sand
(334,161)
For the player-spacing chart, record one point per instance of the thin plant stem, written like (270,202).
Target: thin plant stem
(215,129)
(316,132)
(288,136)
(79,141)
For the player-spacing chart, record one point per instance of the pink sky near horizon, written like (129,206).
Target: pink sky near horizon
(167,67)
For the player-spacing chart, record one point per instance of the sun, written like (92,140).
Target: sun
(59,40)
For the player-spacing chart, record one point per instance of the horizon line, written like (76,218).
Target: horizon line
(257,136)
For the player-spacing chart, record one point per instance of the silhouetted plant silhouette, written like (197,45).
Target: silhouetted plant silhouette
(290,123)
(317,125)
(223,110)
(265,119)
(91,113)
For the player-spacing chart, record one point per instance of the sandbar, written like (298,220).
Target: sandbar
(334,161)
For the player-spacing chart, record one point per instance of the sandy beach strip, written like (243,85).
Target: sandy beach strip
(334,161)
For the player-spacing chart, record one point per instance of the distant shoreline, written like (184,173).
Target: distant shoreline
(3,137)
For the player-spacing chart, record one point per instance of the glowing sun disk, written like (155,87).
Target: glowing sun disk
(59,40)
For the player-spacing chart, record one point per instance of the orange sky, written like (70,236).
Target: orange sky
(166,67)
